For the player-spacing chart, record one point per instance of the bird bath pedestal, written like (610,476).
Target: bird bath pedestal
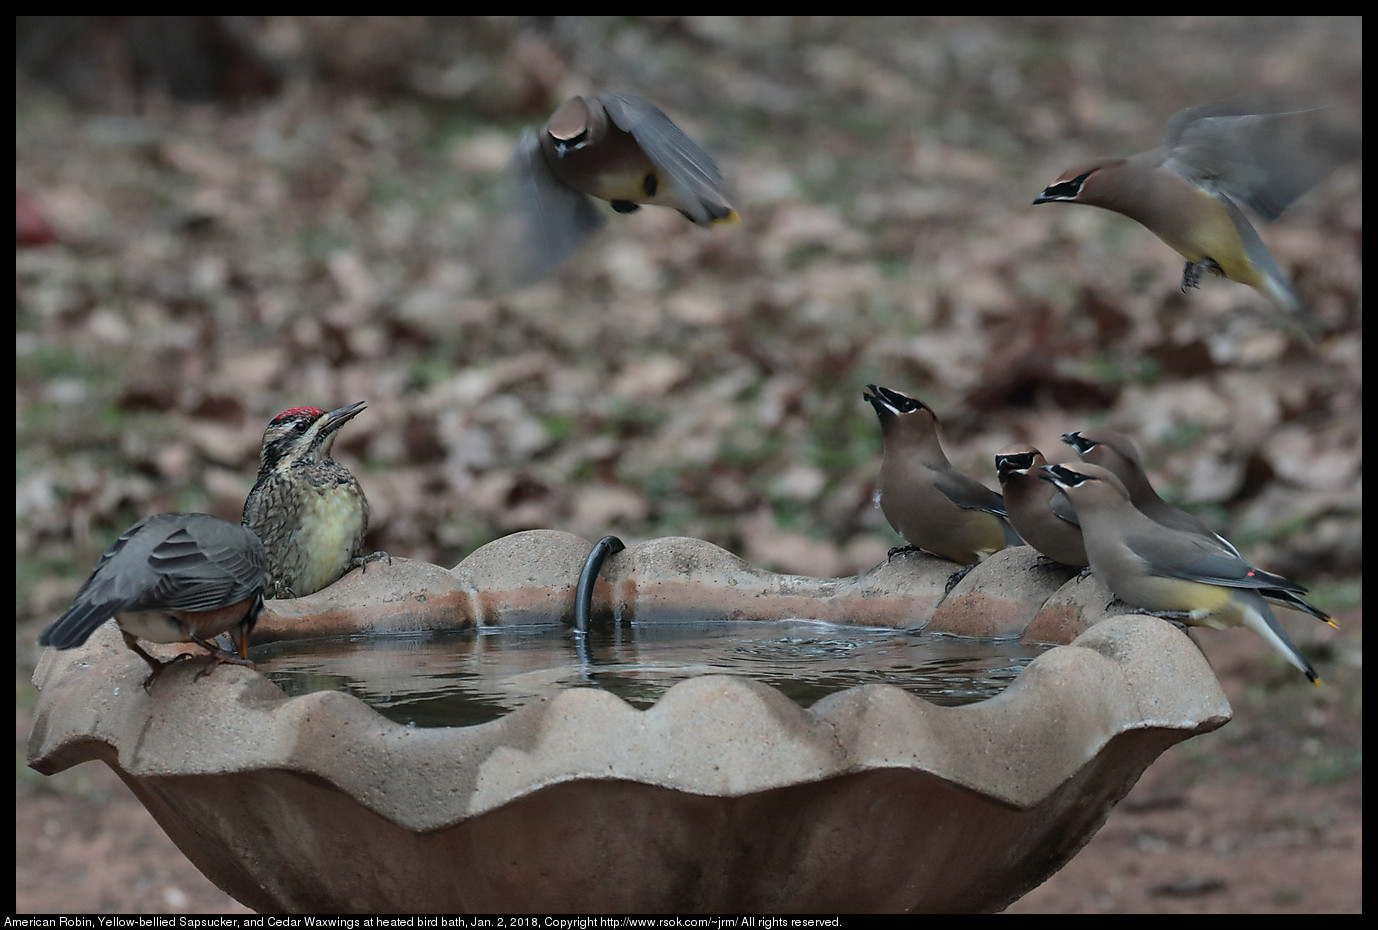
(725,796)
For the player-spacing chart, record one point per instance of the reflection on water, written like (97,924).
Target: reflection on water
(459,679)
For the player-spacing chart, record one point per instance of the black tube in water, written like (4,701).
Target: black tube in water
(583,597)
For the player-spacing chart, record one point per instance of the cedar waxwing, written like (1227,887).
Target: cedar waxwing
(1037,510)
(1117,453)
(934,506)
(1259,151)
(618,148)
(1194,579)
(171,578)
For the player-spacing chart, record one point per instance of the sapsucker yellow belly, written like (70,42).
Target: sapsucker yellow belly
(308,509)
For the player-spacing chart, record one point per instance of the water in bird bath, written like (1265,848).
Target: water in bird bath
(470,677)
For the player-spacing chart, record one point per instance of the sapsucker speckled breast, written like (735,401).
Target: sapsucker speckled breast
(308,509)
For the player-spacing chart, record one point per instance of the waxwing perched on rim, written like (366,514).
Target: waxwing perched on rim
(1117,453)
(308,509)
(1259,151)
(1187,576)
(935,507)
(1037,510)
(614,147)
(172,578)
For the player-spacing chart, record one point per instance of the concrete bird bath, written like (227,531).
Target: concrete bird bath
(724,796)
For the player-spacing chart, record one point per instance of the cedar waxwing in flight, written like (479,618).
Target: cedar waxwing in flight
(1117,452)
(1260,152)
(615,147)
(172,578)
(1194,579)
(934,506)
(1037,510)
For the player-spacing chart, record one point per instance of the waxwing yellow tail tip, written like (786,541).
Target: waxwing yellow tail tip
(731,219)
(1331,621)
(1316,682)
